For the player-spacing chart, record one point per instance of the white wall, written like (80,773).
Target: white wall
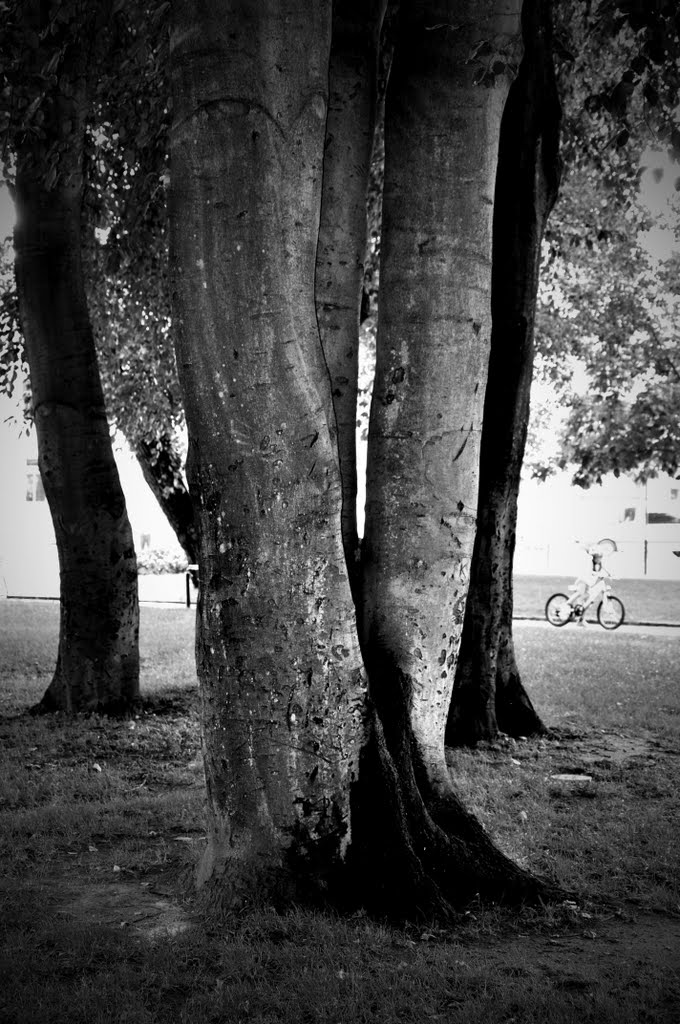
(556,520)
(29,565)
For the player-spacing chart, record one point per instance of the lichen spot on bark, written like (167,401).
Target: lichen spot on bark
(319,105)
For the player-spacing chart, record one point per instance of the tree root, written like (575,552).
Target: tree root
(417,854)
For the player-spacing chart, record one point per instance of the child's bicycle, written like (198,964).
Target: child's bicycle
(560,609)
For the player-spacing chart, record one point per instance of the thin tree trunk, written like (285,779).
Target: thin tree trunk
(98,661)
(444,103)
(161,466)
(277,650)
(488,695)
(342,233)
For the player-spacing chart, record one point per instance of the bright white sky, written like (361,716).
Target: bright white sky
(6,212)
(657,194)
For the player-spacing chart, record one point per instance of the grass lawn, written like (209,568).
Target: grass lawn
(645,600)
(101,824)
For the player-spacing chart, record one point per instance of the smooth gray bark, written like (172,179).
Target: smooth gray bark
(277,650)
(98,660)
(488,695)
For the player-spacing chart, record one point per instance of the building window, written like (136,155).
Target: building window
(629,515)
(674,493)
(34,485)
(657,518)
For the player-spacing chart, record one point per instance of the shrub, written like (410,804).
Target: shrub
(160,560)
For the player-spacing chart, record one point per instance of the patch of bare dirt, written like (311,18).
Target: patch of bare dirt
(606,948)
(150,910)
(603,950)
(617,747)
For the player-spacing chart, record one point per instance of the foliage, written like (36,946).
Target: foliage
(13,368)
(160,560)
(620,83)
(124,228)
(126,243)
(607,313)
(607,339)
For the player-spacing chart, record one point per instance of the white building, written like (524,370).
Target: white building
(555,518)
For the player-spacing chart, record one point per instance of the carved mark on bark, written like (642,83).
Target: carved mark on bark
(462,447)
(247,105)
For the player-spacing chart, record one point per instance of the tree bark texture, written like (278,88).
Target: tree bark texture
(442,122)
(277,653)
(98,660)
(488,694)
(161,466)
(441,137)
(341,247)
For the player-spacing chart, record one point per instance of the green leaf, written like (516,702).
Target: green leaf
(651,95)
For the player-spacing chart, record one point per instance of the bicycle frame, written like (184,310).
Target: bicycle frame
(599,589)
(560,609)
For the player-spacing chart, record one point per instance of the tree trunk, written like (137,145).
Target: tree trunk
(98,660)
(443,110)
(488,694)
(278,657)
(162,468)
(309,782)
(342,233)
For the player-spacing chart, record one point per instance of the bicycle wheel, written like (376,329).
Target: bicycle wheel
(558,611)
(610,613)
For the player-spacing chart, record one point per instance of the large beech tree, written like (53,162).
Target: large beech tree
(98,661)
(277,651)
(321,780)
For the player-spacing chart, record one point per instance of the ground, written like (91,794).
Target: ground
(579,954)
(101,826)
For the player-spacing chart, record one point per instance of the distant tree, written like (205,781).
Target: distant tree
(610,309)
(605,306)
(125,260)
(51,54)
